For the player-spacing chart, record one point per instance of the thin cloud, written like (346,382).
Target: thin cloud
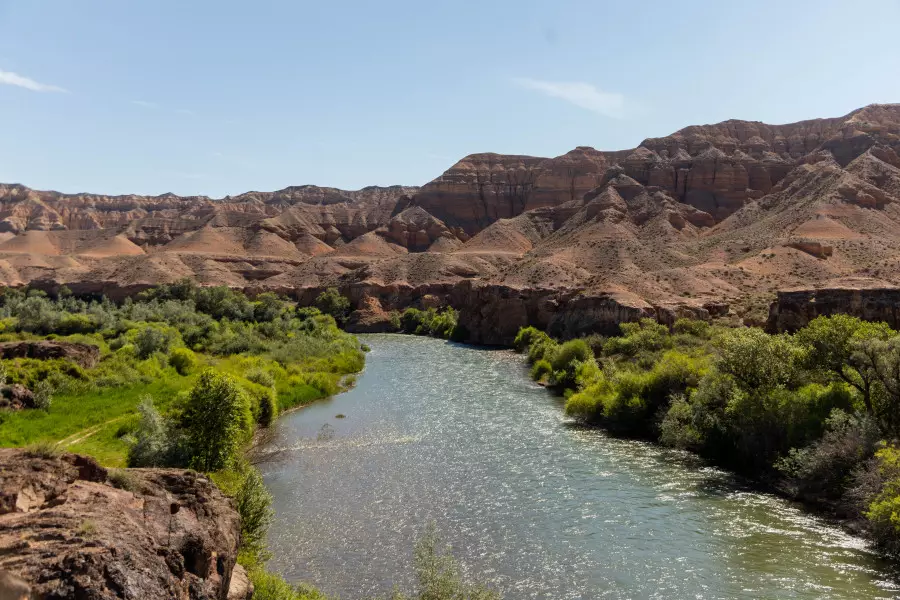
(145,104)
(10,78)
(184,111)
(580,94)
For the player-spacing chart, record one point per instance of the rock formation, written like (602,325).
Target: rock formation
(71,529)
(724,214)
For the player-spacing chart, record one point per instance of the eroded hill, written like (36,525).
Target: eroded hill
(712,214)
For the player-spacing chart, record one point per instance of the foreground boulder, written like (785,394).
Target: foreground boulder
(71,529)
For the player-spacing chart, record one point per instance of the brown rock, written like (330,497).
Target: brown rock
(84,355)
(16,397)
(69,533)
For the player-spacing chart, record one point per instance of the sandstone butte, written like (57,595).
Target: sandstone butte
(710,220)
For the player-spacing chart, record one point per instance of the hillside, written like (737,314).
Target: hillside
(731,212)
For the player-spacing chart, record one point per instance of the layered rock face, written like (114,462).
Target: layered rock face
(724,214)
(793,310)
(70,530)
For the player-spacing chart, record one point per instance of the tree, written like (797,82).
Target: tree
(879,359)
(331,302)
(840,345)
(217,420)
(759,361)
(268,307)
(150,340)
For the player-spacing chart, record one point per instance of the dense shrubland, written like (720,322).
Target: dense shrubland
(816,413)
(432,322)
(186,376)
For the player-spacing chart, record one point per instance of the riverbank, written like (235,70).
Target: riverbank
(808,416)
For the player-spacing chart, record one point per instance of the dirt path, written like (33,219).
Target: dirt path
(80,436)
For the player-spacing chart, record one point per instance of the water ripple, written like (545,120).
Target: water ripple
(540,507)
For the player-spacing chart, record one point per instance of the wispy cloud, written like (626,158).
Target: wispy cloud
(581,94)
(10,78)
(184,111)
(145,104)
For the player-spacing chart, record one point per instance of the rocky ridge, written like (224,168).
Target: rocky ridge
(711,215)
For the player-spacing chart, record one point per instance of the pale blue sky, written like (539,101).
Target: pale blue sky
(220,97)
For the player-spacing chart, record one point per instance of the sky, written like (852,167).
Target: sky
(219,97)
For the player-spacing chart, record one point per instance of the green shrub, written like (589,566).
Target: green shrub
(542,347)
(261,377)
(183,360)
(264,404)
(43,395)
(254,505)
(525,338)
(884,510)
(269,586)
(541,370)
(439,576)
(331,302)
(151,340)
(569,352)
(217,419)
(644,336)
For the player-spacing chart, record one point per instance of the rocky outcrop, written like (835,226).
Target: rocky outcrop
(794,309)
(71,529)
(369,317)
(16,397)
(84,355)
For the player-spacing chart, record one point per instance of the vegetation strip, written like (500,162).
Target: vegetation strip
(815,414)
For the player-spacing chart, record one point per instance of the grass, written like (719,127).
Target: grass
(73,415)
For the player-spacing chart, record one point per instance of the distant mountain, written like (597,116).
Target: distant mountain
(729,212)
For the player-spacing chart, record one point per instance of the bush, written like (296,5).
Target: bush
(151,340)
(216,420)
(884,510)
(264,404)
(542,347)
(261,377)
(827,467)
(570,352)
(269,586)
(254,505)
(439,575)
(151,446)
(331,302)
(43,395)
(525,338)
(541,370)
(183,361)
(644,336)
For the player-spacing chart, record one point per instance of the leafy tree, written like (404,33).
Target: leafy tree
(759,361)
(880,359)
(331,302)
(151,340)
(151,440)
(217,420)
(268,307)
(842,346)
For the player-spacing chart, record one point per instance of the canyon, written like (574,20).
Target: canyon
(712,220)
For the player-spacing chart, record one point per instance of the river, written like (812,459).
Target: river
(537,506)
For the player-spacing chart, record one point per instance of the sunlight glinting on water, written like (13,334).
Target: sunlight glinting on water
(530,502)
